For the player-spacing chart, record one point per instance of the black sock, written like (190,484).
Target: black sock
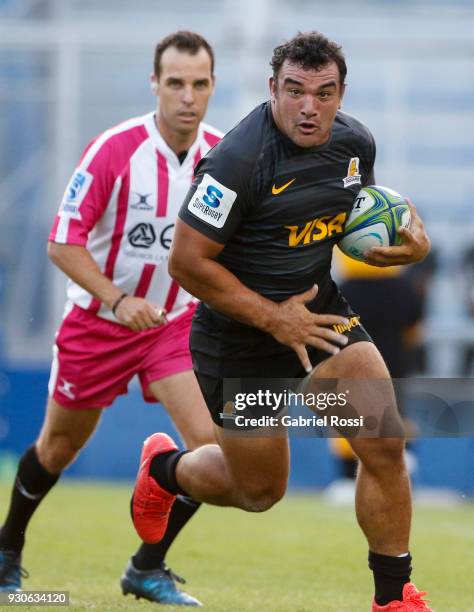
(151,556)
(31,485)
(390,574)
(163,470)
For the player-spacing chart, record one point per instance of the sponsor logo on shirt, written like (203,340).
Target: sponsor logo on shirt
(353,177)
(276,190)
(212,201)
(316,229)
(75,193)
(340,328)
(142,202)
(166,236)
(142,236)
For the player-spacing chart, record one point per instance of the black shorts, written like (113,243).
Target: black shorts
(223,348)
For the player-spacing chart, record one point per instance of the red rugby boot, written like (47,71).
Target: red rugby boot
(151,505)
(412,601)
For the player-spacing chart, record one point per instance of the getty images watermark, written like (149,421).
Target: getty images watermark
(275,402)
(349,407)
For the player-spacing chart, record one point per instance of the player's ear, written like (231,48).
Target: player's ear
(343,90)
(273,87)
(154,83)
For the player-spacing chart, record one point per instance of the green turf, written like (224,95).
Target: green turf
(302,555)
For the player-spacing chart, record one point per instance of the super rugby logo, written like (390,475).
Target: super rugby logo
(212,196)
(212,201)
(316,230)
(75,186)
(75,193)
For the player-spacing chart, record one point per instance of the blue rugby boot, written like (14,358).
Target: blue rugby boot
(11,571)
(156,585)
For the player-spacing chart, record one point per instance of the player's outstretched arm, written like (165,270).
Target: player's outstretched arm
(192,263)
(78,264)
(415,247)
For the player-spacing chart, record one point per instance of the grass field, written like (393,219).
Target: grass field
(302,555)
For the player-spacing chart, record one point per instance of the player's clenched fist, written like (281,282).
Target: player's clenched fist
(297,327)
(138,314)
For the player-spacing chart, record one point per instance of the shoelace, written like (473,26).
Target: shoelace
(23,572)
(169,572)
(155,508)
(11,563)
(152,505)
(417,601)
(157,588)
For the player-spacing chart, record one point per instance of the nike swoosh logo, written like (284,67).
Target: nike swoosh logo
(277,190)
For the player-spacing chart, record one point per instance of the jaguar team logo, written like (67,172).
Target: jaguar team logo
(353,177)
(228,413)
(142,236)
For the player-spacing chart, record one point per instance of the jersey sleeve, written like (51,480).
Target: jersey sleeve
(85,198)
(219,195)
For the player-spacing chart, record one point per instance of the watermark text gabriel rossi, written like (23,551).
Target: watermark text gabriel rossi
(286,420)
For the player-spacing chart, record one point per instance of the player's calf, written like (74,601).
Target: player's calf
(64,433)
(380,456)
(56,452)
(206,474)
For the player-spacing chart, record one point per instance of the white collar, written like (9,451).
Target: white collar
(164,148)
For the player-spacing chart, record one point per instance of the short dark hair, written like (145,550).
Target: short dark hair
(183,40)
(310,50)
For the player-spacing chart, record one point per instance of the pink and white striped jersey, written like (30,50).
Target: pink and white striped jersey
(122,203)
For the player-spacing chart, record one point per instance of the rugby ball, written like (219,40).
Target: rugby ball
(376,215)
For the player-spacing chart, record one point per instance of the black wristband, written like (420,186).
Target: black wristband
(117,302)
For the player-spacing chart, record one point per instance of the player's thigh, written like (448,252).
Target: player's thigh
(358,360)
(181,396)
(360,369)
(258,466)
(74,425)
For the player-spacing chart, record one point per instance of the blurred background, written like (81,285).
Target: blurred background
(71,68)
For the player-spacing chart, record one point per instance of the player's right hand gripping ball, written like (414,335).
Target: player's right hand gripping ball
(376,215)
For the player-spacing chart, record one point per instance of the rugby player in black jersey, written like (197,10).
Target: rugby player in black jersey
(254,243)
